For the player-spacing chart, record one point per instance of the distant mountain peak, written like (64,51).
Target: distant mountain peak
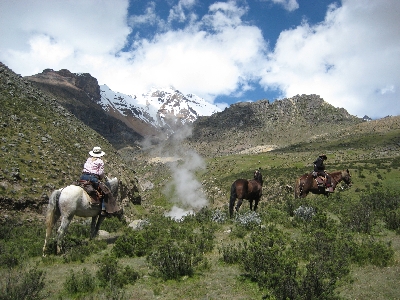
(163,109)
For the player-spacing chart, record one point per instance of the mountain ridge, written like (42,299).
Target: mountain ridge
(262,123)
(156,113)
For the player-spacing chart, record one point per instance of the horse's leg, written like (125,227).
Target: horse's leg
(65,221)
(239,203)
(256,204)
(95,226)
(49,228)
(251,205)
(232,199)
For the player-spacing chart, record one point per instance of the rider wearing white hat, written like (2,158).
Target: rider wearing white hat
(93,171)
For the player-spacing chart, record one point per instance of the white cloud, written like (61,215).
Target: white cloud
(75,27)
(349,60)
(289,5)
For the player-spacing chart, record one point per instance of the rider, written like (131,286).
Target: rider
(93,171)
(319,168)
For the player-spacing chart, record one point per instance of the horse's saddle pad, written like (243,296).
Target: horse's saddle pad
(320,180)
(88,187)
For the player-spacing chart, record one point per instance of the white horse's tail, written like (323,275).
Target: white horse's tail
(52,215)
(52,208)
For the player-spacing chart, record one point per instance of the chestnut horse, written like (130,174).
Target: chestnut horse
(246,189)
(307,183)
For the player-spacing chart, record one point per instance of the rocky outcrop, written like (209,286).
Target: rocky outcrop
(80,94)
(247,125)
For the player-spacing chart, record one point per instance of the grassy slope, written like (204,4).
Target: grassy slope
(279,168)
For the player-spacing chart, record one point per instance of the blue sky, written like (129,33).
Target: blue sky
(348,51)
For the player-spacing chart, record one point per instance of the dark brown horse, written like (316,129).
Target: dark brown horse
(246,189)
(307,183)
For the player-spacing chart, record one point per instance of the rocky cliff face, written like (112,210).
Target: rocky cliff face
(64,78)
(80,94)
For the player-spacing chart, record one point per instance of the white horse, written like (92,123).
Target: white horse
(73,201)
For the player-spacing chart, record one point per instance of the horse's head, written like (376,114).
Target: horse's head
(258,176)
(112,184)
(346,176)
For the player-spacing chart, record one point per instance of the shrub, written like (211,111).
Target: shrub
(172,260)
(111,275)
(248,219)
(392,219)
(22,284)
(218,216)
(82,250)
(79,283)
(19,240)
(375,252)
(113,224)
(231,254)
(304,212)
(359,217)
(131,244)
(265,261)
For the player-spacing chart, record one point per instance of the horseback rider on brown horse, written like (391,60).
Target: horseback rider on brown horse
(307,183)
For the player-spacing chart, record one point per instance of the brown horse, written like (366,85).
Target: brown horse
(246,189)
(307,183)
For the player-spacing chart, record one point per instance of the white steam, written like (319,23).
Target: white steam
(184,190)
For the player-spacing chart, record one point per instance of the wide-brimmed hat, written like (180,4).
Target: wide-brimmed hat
(323,156)
(96,152)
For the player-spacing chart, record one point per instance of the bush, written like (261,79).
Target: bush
(131,244)
(22,284)
(248,220)
(111,275)
(359,217)
(374,252)
(392,219)
(79,283)
(231,254)
(266,262)
(113,224)
(218,216)
(171,261)
(19,240)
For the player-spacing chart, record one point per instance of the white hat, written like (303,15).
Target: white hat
(96,152)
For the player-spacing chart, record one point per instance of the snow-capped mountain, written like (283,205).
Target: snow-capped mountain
(163,109)
(122,118)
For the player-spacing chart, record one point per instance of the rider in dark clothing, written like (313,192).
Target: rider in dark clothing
(319,168)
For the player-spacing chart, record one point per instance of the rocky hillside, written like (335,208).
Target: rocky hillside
(261,126)
(79,93)
(44,146)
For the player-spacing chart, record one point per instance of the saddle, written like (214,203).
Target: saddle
(96,196)
(321,180)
